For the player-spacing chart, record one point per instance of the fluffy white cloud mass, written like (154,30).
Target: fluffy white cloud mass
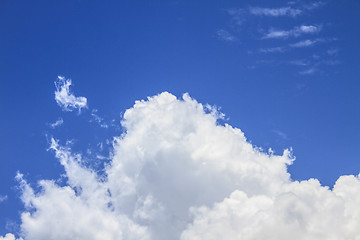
(177,174)
(65,99)
(9,236)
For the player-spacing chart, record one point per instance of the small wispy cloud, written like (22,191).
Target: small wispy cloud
(295,32)
(332,51)
(281,134)
(308,29)
(237,15)
(329,62)
(314,5)
(65,99)
(308,71)
(275,12)
(286,11)
(305,43)
(98,119)
(299,62)
(3,198)
(277,34)
(272,50)
(58,122)
(225,35)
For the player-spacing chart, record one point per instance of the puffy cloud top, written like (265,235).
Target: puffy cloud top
(9,236)
(177,174)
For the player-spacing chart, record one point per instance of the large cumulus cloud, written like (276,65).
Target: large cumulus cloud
(177,174)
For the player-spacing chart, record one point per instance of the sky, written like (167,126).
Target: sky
(179,115)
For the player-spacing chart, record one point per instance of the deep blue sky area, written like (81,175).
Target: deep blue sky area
(286,79)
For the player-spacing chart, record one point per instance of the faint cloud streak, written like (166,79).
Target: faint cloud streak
(275,12)
(3,198)
(272,50)
(58,122)
(225,36)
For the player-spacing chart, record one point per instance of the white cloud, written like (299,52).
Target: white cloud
(308,29)
(304,43)
(295,32)
(275,12)
(176,174)
(308,71)
(281,134)
(225,35)
(58,122)
(277,34)
(285,11)
(9,236)
(302,210)
(80,210)
(65,99)
(272,50)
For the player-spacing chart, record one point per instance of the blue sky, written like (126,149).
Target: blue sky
(285,72)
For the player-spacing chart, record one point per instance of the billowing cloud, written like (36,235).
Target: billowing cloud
(9,236)
(176,173)
(65,99)
(302,210)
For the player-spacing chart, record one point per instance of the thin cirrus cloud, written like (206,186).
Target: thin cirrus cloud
(99,120)
(57,123)
(176,173)
(65,99)
(308,71)
(295,32)
(275,12)
(299,62)
(332,51)
(284,11)
(239,15)
(225,35)
(272,50)
(305,43)
(3,198)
